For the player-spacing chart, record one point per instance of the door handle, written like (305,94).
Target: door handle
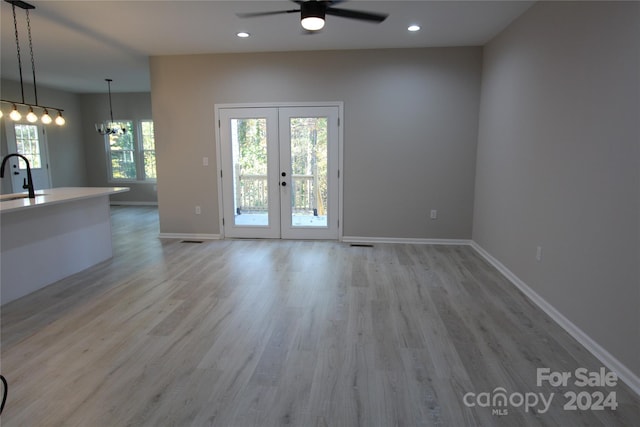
(284,184)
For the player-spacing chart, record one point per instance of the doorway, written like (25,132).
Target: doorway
(280,171)
(29,140)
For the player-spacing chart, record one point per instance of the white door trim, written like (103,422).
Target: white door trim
(217,144)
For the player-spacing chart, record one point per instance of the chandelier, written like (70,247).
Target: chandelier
(15,114)
(110,128)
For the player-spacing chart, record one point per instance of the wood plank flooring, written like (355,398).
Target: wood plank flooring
(283,333)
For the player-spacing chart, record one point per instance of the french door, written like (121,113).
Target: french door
(280,172)
(29,140)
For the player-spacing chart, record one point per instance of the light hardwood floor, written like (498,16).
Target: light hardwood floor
(269,333)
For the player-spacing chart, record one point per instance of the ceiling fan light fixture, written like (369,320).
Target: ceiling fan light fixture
(312,15)
(312,23)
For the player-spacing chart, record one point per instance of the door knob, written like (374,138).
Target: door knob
(284,174)
(284,184)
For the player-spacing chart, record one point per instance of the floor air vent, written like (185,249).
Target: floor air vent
(191,241)
(361,245)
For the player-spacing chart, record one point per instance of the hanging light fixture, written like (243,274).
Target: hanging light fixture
(312,15)
(15,114)
(110,128)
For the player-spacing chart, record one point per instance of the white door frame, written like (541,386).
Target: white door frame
(340,136)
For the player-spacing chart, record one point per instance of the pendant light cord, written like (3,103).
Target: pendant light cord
(110,107)
(15,25)
(33,62)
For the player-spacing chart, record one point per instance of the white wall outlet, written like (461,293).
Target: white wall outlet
(198,210)
(434,214)
(205,161)
(539,253)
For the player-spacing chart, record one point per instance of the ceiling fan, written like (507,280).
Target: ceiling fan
(312,13)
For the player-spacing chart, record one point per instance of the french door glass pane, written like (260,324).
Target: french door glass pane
(250,184)
(28,144)
(308,171)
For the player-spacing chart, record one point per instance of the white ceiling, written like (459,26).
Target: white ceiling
(77,44)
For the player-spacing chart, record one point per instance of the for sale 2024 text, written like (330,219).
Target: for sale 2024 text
(582,377)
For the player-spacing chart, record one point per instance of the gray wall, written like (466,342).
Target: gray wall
(410,131)
(95,109)
(66,148)
(559,160)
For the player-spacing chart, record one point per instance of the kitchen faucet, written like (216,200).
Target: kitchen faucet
(29,184)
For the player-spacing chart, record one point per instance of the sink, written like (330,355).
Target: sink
(9,197)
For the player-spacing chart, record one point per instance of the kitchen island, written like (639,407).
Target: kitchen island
(59,233)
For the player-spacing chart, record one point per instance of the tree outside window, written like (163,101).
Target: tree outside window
(132,155)
(148,149)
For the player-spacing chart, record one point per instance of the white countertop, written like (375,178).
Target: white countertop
(52,196)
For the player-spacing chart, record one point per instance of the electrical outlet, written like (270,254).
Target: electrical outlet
(434,214)
(539,253)
(198,210)
(205,161)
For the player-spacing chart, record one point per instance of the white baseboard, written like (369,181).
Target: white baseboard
(403,240)
(189,236)
(613,364)
(119,203)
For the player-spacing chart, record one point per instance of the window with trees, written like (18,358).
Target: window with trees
(132,155)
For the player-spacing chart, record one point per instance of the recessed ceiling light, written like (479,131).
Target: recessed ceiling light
(243,35)
(414,28)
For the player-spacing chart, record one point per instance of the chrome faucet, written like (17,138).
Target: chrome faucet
(29,184)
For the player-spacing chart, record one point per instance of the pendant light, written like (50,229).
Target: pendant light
(110,128)
(15,115)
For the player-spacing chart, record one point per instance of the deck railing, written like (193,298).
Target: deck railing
(252,195)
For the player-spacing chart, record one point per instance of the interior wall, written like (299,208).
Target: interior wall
(559,163)
(95,109)
(410,132)
(65,143)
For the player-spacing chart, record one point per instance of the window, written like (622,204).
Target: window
(28,144)
(132,155)
(148,149)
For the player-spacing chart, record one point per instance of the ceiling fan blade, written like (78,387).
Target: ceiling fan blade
(328,2)
(356,14)
(255,14)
